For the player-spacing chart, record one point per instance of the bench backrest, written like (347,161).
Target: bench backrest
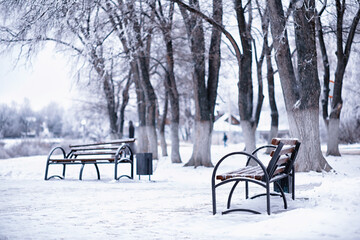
(283,156)
(100,148)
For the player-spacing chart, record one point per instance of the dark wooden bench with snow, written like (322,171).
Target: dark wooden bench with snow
(279,168)
(112,152)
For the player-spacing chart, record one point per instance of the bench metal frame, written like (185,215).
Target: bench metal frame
(267,177)
(94,153)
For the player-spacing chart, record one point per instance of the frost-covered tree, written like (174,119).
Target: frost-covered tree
(165,23)
(80,27)
(205,92)
(301,95)
(345,34)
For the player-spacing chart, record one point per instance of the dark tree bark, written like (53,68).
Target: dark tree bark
(205,94)
(125,101)
(326,65)
(245,86)
(119,24)
(342,54)
(170,83)
(161,127)
(301,97)
(274,126)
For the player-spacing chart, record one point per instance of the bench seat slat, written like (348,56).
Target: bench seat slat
(67,160)
(255,172)
(94,153)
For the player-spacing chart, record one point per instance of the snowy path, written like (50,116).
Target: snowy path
(176,205)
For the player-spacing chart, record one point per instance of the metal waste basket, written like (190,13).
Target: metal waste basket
(285,185)
(144,164)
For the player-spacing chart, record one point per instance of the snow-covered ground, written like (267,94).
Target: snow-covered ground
(176,204)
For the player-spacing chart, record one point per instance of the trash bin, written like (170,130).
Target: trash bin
(285,184)
(144,164)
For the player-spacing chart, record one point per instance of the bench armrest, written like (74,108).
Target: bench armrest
(56,148)
(258,149)
(122,152)
(250,156)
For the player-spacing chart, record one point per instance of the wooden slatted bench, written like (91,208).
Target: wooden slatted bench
(279,168)
(112,152)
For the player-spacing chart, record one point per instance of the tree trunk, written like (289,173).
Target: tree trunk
(326,77)
(310,157)
(245,86)
(125,101)
(333,137)
(249,137)
(202,142)
(170,85)
(274,126)
(162,122)
(342,54)
(203,94)
(142,139)
(108,90)
(301,97)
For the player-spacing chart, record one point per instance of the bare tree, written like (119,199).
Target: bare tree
(71,25)
(165,22)
(205,92)
(343,49)
(265,22)
(302,95)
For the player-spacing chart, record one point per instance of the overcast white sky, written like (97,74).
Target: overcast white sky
(47,79)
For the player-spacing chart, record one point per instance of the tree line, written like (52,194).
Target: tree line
(163,47)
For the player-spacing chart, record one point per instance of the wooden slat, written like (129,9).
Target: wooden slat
(286,141)
(279,170)
(95,148)
(79,153)
(283,151)
(282,160)
(67,160)
(105,143)
(250,172)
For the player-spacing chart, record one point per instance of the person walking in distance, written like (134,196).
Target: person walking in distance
(225,138)
(132,135)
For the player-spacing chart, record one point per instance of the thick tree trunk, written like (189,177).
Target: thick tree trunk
(249,138)
(310,156)
(301,97)
(203,116)
(142,139)
(202,142)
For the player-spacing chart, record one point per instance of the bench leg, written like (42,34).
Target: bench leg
(97,171)
(64,169)
(82,168)
(46,170)
(268,198)
(293,182)
(81,171)
(231,193)
(214,200)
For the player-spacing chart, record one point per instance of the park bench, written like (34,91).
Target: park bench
(280,171)
(112,152)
